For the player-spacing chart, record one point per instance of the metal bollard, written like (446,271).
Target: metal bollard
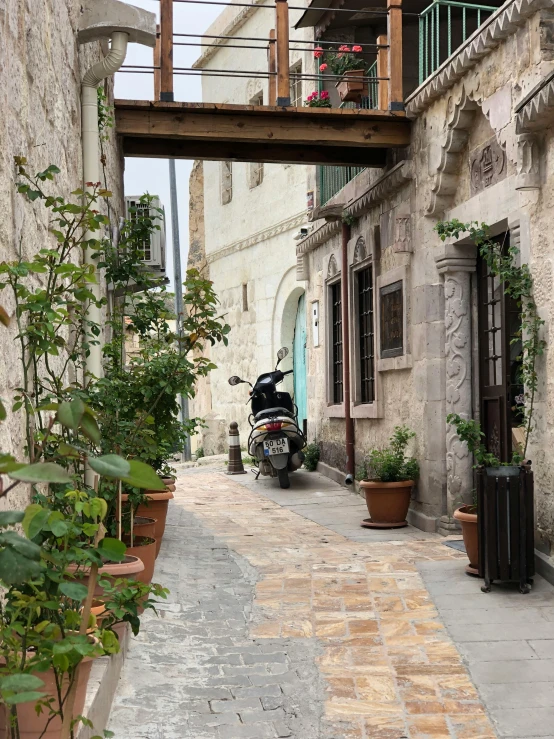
(235,466)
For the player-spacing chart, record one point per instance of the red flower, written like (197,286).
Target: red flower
(324,94)
(318,52)
(344,48)
(322,67)
(357,48)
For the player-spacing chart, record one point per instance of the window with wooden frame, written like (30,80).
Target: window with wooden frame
(365,330)
(296,85)
(335,315)
(226,182)
(392,320)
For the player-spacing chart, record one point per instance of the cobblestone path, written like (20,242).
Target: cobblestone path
(278,627)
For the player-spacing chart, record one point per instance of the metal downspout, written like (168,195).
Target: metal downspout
(348,421)
(91,160)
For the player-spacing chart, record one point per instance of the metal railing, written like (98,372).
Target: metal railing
(443,27)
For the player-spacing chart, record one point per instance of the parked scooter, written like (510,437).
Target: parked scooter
(276,441)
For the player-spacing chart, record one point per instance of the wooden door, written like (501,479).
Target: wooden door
(500,388)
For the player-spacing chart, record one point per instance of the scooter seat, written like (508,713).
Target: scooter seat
(273,412)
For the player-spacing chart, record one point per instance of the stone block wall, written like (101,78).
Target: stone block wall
(41,67)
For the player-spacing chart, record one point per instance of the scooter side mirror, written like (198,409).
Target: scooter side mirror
(235,380)
(281,354)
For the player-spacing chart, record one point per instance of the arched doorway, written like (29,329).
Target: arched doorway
(299,363)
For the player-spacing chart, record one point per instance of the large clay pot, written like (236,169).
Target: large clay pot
(143,526)
(387,503)
(352,86)
(468,521)
(130,568)
(32,726)
(155,506)
(169,482)
(145,548)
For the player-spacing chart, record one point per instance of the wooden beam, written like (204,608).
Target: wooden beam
(283,64)
(261,124)
(272,69)
(246,152)
(166,50)
(382,73)
(157,65)
(396,97)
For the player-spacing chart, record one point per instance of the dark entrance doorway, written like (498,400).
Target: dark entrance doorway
(500,388)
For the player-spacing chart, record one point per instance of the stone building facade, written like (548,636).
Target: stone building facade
(481,150)
(243,220)
(41,68)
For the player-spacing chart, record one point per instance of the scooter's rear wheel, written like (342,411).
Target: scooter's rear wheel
(283,475)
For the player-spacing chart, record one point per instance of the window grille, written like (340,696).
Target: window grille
(337,357)
(366,334)
(296,85)
(226,182)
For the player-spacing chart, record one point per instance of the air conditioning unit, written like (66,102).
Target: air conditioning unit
(154,247)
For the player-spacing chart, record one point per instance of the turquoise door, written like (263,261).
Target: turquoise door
(299,362)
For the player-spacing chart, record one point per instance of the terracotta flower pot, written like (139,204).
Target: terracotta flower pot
(387,503)
(352,86)
(468,521)
(130,568)
(144,547)
(143,526)
(32,726)
(99,610)
(155,506)
(169,482)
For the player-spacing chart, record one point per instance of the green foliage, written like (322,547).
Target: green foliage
(390,463)
(311,456)
(518,284)
(105,114)
(344,58)
(200,452)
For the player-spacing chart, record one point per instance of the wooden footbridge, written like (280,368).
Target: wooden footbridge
(268,133)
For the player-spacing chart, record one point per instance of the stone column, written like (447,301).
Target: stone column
(456,269)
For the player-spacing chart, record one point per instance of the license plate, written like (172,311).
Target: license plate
(276,446)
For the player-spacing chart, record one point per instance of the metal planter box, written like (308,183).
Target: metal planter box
(505,520)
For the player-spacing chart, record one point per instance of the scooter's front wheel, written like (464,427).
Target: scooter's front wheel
(283,475)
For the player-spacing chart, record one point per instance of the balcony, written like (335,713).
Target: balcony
(442,27)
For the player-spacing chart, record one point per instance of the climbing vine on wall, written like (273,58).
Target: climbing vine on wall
(518,284)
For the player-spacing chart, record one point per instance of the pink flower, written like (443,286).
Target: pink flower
(324,95)
(322,67)
(357,48)
(318,52)
(344,48)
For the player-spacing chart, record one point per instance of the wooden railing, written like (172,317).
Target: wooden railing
(386,91)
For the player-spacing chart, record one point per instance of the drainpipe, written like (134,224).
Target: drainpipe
(91,158)
(348,421)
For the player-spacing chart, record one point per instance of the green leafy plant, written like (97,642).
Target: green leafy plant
(311,456)
(341,59)
(517,282)
(469,431)
(390,464)
(200,452)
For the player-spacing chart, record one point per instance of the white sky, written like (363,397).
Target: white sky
(152,175)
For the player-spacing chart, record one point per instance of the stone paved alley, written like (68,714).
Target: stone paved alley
(278,626)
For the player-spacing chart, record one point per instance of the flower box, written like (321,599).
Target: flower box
(352,87)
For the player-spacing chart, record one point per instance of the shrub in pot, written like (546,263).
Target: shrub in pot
(387,478)
(349,63)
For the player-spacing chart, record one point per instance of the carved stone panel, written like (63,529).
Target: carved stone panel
(487,164)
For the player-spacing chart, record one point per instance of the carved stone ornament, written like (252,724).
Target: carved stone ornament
(403,235)
(528,168)
(332,269)
(445,182)
(360,250)
(302,268)
(487,164)
(458,381)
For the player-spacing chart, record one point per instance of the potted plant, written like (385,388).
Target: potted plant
(318,99)
(388,477)
(349,63)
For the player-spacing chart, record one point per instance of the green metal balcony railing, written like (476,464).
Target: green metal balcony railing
(444,26)
(331,180)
